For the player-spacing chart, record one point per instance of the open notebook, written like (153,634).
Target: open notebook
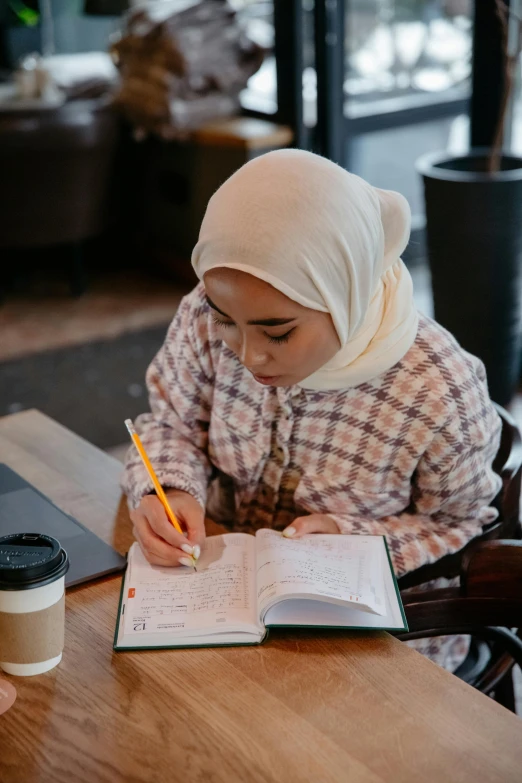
(245,584)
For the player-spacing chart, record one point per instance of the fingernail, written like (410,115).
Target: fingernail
(289,532)
(186,561)
(197,551)
(188,549)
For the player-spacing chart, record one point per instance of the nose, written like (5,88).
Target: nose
(251,356)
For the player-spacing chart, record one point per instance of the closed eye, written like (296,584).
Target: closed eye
(283,338)
(279,340)
(219,322)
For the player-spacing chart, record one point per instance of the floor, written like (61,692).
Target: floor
(83,360)
(90,388)
(45,317)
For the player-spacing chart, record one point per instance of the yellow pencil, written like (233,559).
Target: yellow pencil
(150,470)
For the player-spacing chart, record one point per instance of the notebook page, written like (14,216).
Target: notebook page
(317,613)
(175,600)
(335,567)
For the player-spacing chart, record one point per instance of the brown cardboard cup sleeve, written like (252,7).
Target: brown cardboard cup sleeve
(32,637)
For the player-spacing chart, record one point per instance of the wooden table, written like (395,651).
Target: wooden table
(303,707)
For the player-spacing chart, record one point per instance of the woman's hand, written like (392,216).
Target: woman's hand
(160,542)
(314,523)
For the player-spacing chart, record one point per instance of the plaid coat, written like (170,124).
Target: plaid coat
(407,455)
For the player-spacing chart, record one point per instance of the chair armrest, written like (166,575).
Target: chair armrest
(411,597)
(443,615)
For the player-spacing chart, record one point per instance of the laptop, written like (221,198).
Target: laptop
(23,509)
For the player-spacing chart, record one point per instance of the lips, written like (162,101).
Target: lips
(266,380)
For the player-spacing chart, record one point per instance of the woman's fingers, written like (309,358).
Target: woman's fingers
(314,523)
(156,516)
(191,514)
(159,539)
(156,550)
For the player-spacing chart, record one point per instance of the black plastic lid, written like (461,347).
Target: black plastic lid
(30,560)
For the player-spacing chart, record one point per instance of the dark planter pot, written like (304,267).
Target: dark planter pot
(474,239)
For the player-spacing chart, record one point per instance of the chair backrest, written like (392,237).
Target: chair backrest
(493,569)
(508,465)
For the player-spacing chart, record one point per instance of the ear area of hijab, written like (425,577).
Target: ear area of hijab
(396,223)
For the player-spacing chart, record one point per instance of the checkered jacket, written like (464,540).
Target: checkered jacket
(407,455)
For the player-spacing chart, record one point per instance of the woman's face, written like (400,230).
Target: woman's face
(278,340)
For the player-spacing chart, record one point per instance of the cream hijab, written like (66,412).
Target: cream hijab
(327,240)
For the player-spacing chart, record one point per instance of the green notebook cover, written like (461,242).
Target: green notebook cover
(397,592)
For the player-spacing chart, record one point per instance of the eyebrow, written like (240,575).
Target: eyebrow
(261,322)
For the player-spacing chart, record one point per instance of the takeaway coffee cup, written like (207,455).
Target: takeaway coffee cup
(32,603)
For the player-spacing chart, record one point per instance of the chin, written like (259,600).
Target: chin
(283,383)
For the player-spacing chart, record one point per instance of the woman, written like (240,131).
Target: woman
(299,375)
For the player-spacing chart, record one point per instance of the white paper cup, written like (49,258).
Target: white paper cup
(32,603)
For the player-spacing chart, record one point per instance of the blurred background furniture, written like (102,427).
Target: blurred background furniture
(181,65)
(56,167)
(182,175)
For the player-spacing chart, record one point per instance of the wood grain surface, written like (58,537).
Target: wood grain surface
(244,132)
(330,706)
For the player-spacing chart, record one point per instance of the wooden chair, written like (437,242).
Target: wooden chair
(487,605)
(508,465)
(488,601)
